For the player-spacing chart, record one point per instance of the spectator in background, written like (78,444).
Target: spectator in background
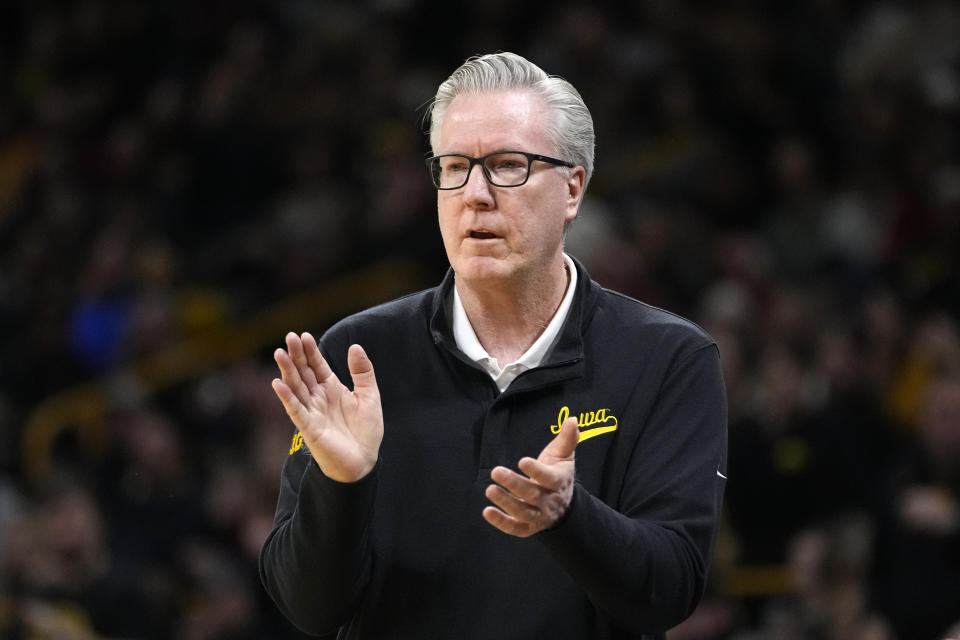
(64,581)
(830,588)
(919,530)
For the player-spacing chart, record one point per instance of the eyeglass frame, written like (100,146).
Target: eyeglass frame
(480,161)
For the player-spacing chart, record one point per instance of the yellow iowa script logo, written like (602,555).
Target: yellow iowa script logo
(297,442)
(605,420)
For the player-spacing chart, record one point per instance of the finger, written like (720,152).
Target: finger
(563,445)
(524,488)
(299,358)
(291,403)
(295,348)
(361,371)
(315,360)
(505,523)
(513,506)
(291,375)
(549,477)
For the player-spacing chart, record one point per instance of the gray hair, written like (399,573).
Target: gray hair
(571,126)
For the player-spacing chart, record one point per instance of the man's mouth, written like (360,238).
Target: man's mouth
(482,235)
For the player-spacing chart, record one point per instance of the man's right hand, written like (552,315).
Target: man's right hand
(342,428)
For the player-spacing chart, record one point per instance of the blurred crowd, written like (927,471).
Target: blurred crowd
(785,174)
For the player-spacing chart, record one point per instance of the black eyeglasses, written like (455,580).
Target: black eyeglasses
(500,168)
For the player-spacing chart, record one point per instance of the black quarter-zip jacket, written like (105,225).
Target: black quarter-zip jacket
(405,553)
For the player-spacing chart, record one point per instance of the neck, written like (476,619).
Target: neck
(508,318)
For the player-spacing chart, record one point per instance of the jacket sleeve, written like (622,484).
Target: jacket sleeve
(316,560)
(645,563)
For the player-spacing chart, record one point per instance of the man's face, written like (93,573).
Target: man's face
(495,234)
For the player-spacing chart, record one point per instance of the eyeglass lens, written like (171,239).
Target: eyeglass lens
(501,169)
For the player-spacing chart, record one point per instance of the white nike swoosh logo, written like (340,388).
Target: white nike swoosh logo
(721,475)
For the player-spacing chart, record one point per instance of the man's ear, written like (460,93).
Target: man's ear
(575,185)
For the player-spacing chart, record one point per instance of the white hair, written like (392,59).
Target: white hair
(571,125)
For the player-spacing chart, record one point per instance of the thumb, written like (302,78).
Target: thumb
(361,370)
(563,446)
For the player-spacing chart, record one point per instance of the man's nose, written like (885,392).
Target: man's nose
(478,191)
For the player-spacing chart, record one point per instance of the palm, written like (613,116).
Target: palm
(342,428)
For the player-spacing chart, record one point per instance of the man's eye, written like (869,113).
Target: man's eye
(508,162)
(455,167)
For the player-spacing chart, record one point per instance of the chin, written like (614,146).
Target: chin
(482,268)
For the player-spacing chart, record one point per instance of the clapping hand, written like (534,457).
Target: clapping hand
(534,502)
(341,428)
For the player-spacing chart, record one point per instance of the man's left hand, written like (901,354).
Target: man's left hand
(534,502)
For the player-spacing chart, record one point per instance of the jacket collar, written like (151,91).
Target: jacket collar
(569,346)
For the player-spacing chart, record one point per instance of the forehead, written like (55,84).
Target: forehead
(477,123)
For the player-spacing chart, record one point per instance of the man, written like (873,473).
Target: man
(535,457)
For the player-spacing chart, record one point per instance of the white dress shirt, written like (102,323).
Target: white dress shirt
(466,337)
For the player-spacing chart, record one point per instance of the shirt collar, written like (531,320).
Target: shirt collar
(467,341)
